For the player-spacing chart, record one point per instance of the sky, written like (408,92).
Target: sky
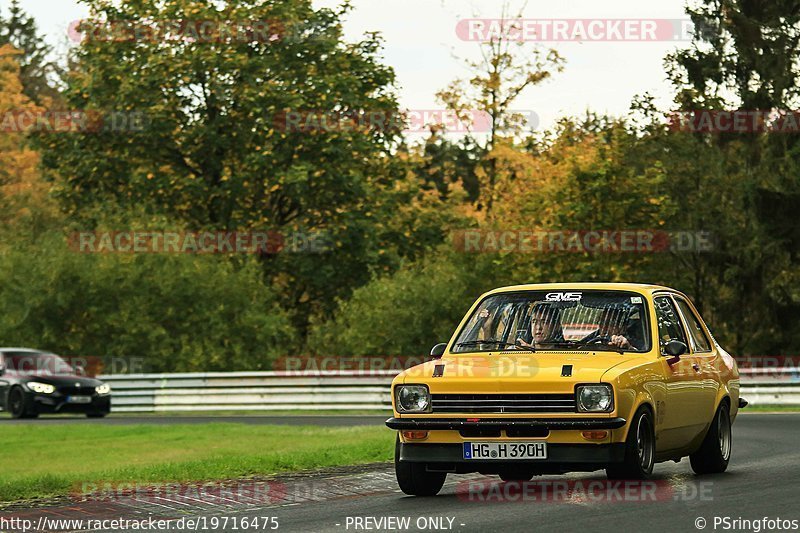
(422,45)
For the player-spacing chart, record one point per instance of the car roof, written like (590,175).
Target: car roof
(25,350)
(636,287)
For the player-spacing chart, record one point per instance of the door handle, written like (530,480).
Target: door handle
(696,367)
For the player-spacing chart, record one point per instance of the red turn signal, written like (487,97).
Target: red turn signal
(415,435)
(594,435)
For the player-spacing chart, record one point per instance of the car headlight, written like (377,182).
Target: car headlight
(103,389)
(595,398)
(413,398)
(41,388)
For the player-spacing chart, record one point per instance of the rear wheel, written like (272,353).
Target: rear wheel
(715,452)
(640,449)
(414,479)
(19,405)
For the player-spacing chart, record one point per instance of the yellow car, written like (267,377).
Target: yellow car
(555,378)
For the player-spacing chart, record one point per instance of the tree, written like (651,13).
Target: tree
(506,69)
(21,188)
(39,73)
(217,149)
(746,55)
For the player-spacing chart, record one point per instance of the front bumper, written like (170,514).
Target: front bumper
(504,423)
(57,403)
(557,454)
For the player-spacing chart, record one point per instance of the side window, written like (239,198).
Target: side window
(695,329)
(669,325)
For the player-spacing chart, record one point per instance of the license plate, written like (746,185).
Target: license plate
(505,450)
(79,399)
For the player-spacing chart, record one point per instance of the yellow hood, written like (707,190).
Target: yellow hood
(513,373)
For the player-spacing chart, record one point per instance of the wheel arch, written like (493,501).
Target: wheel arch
(643,400)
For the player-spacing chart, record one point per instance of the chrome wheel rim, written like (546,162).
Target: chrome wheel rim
(644,444)
(724,434)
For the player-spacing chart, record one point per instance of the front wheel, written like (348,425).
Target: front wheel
(414,479)
(715,452)
(19,405)
(640,449)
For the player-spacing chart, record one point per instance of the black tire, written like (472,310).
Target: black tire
(715,452)
(414,479)
(520,475)
(640,449)
(19,405)
(96,415)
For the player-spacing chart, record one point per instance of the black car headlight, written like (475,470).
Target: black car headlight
(103,389)
(595,398)
(412,398)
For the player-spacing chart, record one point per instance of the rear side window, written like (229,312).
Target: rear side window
(669,325)
(695,329)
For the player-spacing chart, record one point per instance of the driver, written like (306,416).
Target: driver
(611,328)
(546,326)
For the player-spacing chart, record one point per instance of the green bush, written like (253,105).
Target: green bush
(177,312)
(410,311)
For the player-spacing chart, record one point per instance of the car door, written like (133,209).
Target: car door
(677,418)
(704,362)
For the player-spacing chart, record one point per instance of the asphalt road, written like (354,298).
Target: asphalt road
(760,482)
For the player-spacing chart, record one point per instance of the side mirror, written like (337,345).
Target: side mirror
(438,351)
(675,349)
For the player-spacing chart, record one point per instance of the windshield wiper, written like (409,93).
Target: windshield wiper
(579,344)
(496,342)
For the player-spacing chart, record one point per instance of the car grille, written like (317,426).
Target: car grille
(84,390)
(503,403)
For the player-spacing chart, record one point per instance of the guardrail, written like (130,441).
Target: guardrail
(771,386)
(339,390)
(250,391)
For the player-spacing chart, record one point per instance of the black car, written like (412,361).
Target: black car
(34,382)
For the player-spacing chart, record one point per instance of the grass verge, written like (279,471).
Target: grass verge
(40,462)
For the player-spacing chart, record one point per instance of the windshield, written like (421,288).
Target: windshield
(37,363)
(557,320)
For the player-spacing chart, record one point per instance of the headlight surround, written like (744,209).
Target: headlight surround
(103,389)
(412,398)
(595,398)
(41,388)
